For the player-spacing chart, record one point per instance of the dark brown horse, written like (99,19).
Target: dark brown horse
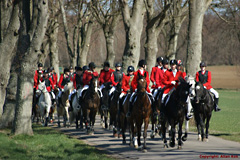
(123,109)
(90,104)
(113,108)
(203,105)
(103,110)
(141,112)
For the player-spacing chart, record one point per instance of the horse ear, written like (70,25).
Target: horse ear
(145,74)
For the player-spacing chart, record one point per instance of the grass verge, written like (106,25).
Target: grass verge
(46,143)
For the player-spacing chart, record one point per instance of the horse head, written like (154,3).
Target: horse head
(68,87)
(94,83)
(142,83)
(183,90)
(42,87)
(200,92)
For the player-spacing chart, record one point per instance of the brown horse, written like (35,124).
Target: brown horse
(113,108)
(123,109)
(141,112)
(91,104)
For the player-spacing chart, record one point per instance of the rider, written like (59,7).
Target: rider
(142,66)
(37,76)
(64,79)
(87,76)
(171,82)
(116,77)
(105,74)
(71,74)
(48,83)
(126,82)
(77,83)
(153,76)
(54,76)
(165,65)
(204,76)
(184,75)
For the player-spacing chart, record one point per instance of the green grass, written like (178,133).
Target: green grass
(226,123)
(46,143)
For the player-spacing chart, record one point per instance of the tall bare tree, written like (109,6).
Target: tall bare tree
(9,35)
(133,17)
(197,9)
(155,22)
(107,14)
(79,46)
(30,40)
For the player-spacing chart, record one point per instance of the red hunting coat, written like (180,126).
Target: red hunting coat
(134,82)
(168,78)
(207,78)
(105,76)
(87,76)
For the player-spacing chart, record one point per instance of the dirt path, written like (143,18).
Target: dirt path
(216,148)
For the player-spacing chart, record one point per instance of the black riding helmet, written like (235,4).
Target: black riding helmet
(91,65)
(106,64)
(77,68)
(40,65)
(118,65)
(173,61)
(203,64)
(165,61)
(130,69)
(141,63)
(85,68)
(45,71)
(66,70)
(159,59)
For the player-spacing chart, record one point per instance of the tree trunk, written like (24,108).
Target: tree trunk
(10,102)
(6,49)
(197,10)
(133,22)
(110,47)
(22,121)
(85,44)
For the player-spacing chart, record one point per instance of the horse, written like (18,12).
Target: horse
(113,108)
(103,110)
(156,125)
(90,104)
(76,113)
(141,112)
(122,120)
(203,105)
(62,108)
(175,108)
(44,103)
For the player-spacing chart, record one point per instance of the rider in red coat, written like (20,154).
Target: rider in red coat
(180,68)
(116,77)
(48,81)
(154,72)
(105,74)
(37,76)
(54,76)
(142,66)
(204,76)
(127,79)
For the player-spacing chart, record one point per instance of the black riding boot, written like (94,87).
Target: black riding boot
(216,108)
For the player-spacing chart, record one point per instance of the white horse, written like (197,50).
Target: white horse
(76,113)
(44,103)
(62,109)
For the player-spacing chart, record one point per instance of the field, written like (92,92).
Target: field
(46,143)
(225,77)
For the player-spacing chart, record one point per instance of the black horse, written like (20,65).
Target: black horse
(203,106)
(105,105)
(175,111)
(113,108)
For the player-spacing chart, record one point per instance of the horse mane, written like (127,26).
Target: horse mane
(68,86)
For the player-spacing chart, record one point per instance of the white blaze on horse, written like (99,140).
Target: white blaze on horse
(44,102)
(62,109)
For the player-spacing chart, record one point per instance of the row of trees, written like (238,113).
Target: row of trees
(31,32)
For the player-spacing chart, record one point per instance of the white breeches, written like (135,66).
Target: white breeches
(84,88)
(214,92)
(74,91)
(112,90)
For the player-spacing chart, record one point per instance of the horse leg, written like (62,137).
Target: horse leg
(173,132)
(124,124)
(163,130)
(146,122)
(77,118)
(87,120)
(184,138)
(207,126)
(152,131)
(202,128)
(180,135)
(139,126)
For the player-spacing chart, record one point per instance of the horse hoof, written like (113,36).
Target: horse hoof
(184,138)
(172,144)
(199,139)
(119,135)
(205,139)
(179,147)
(115,135)
(165,146)
(152,136)
(136,146)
